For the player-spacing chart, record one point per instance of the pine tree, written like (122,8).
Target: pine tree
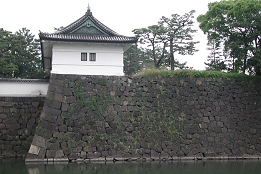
(215,58)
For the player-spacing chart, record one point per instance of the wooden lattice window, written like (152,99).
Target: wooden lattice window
(92,56)
(83,56)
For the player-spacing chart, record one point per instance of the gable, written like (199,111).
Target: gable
(89,28)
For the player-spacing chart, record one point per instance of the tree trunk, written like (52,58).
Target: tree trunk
(171,54)
(154,56)
(244,66)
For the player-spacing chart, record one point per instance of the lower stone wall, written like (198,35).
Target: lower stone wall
(19,117)
(117,118)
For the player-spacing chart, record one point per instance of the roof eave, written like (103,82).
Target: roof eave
(93,41)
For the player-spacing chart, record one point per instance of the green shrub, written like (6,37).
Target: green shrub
(191,73)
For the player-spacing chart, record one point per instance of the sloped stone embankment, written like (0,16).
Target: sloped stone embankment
(117,118)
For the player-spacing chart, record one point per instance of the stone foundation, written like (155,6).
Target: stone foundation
(157,118)
(19,117)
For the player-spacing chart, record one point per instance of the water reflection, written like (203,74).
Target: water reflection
(197,167)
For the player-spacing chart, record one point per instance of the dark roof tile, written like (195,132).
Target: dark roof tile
(90,38)
(65,34)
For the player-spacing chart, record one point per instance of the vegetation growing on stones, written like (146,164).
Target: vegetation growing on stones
(190,73)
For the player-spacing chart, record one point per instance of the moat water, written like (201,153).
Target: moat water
(183,167)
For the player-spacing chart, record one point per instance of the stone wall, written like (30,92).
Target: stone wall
(18,118)
(118,118)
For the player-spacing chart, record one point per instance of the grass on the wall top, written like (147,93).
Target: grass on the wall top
(191,73)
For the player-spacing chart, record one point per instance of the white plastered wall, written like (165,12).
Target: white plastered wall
(23,89)
(66,59)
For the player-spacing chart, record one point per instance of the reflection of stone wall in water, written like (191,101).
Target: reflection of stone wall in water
(18,118)
(100,117)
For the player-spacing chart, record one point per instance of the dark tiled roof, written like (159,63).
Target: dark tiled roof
(66,33)
(24,80)
(90,38)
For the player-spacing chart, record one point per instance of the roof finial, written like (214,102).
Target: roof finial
(88,10)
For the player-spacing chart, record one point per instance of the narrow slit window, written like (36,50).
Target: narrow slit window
(83,56)
(92,56)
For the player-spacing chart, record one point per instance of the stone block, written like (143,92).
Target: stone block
(59,121)
(252,131)
(77,149)
(2,103)
(31,122)
(206,120)
(97,154)
(65,107)
(52,111)
(35,104)
(56,82)
(135,156)
(49,118)
(34,150)
(90,155)
(42,153)
(199,156)
(50,153)
(154,155)
(59,97)
(8,153)
(47,125)
(70,99)
(62,128)
(187,158)
(56,104)
(83,154)
(2,126)
(13,126)
(164,156)
(73,156)
(21,153)
(39,141)
(70,123)
(59,154)
(55,146)
(129,129)
(63,145)
(258,147)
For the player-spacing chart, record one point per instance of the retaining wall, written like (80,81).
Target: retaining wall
(117,118)
(18,118)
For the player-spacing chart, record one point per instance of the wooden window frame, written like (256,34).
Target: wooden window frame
(84,57)
(92,57)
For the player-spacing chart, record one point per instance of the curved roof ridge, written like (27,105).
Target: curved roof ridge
(105,27)
(81,20)
(72,25)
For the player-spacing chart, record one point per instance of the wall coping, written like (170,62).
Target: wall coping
(24,80)
(23,87)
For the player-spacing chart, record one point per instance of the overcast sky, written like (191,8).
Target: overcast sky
(121,16)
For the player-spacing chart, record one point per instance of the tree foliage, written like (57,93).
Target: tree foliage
(9,45)
(236,23)
(215,58)
(179,34)
(169,36)
(20,55)
(154,37)
(133,60)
